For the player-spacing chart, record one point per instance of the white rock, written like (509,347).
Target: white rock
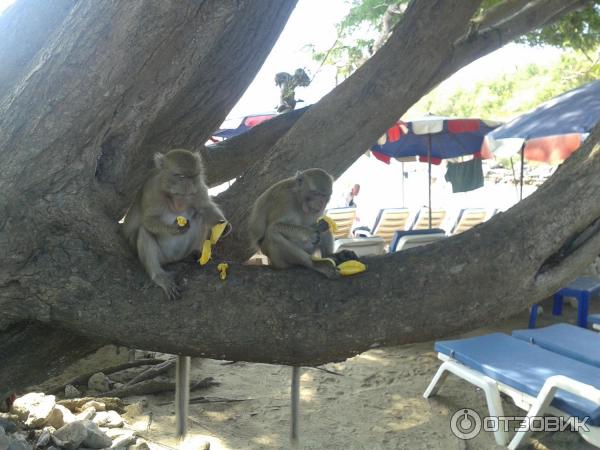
(8,424)
(140,444)
(44,438)
(99,382)
(98,406)
(109,419)
(3,440)
(17,442)
(124,440)
(70,436)
(86,414)
(60,416)
(95,438)
(72,392)
(34,408)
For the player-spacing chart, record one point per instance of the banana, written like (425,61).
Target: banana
(330,222)
(222,268)
(206,251)
(351,267)
(217,231)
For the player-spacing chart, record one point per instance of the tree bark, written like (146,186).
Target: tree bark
(105,91)
(24,29)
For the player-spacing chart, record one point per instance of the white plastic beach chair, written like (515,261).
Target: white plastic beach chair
(538,380)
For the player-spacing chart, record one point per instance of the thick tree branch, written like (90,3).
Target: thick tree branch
(479,276)
(229,159)
(25,27)
(500,12)
(476,45)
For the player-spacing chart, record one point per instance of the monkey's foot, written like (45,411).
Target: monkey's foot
(326,266)
(168,284)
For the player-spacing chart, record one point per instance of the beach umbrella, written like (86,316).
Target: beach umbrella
(432,139)
(552,131)
(233,127)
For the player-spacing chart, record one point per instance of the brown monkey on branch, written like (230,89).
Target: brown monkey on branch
(284,222)
(169,219)
(175,188)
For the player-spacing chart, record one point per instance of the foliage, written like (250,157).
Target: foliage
(357,32)
(511,94)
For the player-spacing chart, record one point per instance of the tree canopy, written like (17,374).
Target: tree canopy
(369,22)
(104,85)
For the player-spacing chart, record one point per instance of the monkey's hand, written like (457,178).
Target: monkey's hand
(180,226)
(343,256)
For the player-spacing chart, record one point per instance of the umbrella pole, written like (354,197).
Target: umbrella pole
(402,185)
(429,174)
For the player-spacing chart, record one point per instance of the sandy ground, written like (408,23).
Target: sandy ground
(374,402)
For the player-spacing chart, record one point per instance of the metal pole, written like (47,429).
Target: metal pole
(403,185)
(429,174)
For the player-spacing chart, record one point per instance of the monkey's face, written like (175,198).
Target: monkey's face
(315,201)
(181,174)
(315,189)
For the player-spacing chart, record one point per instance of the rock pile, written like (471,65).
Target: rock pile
(40,421)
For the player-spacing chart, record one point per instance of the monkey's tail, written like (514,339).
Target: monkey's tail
(295,397)
(182,394)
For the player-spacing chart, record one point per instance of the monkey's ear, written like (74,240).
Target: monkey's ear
(159,160)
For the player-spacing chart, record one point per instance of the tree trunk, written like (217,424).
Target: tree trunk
(120,80)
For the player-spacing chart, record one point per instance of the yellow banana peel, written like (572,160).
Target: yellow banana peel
(351,267)
(217,231)
(222,268)
(206,252)
(181,221)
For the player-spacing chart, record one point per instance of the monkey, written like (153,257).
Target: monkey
(283,222)
(287,84)
(174,188)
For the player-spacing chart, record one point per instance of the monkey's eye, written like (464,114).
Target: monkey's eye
(178,175)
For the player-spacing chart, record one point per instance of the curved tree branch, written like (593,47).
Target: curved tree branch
(247,148)
(25,27)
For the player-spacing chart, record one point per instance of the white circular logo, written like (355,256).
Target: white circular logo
(465,424)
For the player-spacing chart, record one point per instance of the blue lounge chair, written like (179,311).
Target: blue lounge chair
(565,339)
(403,240)
(538,380)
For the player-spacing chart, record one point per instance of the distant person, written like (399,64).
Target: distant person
(350,197)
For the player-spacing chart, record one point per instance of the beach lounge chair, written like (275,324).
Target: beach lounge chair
(421,221)
(363,246)
(403,240)
(468,218)
(388,221)
(566,339)
(343,218)
(594,321)
(538,380)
